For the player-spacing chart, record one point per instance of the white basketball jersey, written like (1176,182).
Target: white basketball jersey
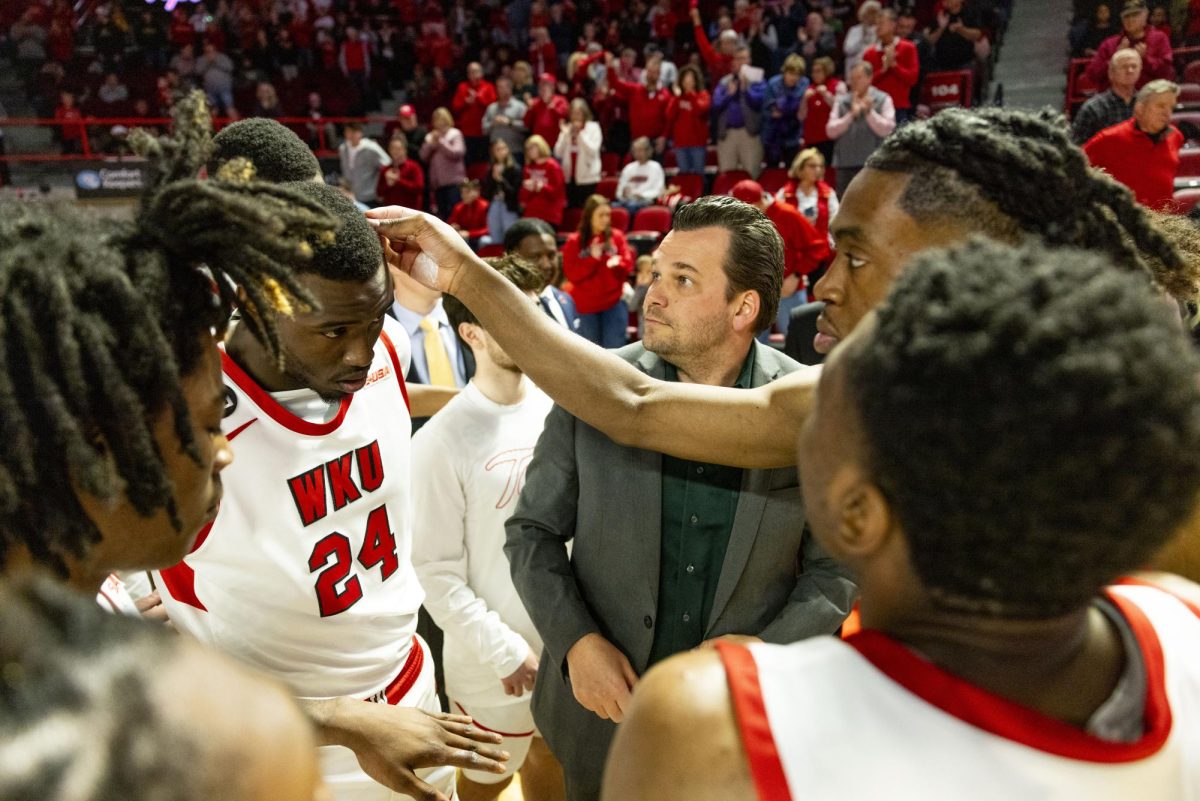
(306,571)
(867,718)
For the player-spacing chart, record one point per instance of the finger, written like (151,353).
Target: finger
(418,789)
(149,601)
(156,614)
(470,732)
(628,673)
(470,760)
(615,713)
(449,717)
(488,752)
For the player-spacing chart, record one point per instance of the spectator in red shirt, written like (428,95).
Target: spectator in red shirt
(543,56)
(470,102)
(807,191)
(401,183)
(546,111)
(687,120)
(804,248)
(470,215)
(70,131)
(1158,60)
(896,64)
(720,60)
(543,190)
(818,105)
(597,261)
(1143,152)
(647,101)
(354,60)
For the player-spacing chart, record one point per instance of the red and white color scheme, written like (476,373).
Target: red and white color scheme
(868,718)
(306,572)
(469,466)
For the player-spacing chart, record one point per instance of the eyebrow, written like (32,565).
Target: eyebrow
(388,299)
(678,265)
(849,232)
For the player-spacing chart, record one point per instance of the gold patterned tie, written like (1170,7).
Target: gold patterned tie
(441,374)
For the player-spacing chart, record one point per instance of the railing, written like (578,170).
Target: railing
(86,135)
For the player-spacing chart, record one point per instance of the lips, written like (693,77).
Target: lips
(354,383)
(826,338)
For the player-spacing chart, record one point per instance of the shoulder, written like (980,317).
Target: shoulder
(685,694)
(772,361)
(632,353)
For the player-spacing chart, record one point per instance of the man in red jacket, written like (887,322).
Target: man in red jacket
(547,110)
(1158,60)
(469,216)
(720,60)
(897,67)
(647,102)
(471,100)
(1143,152)
(804,249)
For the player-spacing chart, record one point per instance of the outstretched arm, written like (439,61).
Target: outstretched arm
(740,427)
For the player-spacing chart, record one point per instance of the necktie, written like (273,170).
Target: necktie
(441,373)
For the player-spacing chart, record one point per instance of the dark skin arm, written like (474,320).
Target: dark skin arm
(754,428)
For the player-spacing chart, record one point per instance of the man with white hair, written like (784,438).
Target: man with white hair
(1143,152)
(1113,105)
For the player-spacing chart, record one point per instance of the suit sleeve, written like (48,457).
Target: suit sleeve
(820,601)
(439,555)
(537,537)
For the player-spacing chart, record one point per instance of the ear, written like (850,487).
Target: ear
(864,518)
(746,307)
(470,335)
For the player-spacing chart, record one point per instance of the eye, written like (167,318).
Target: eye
(334,333)
(684,281)
(854,261)
(655,275)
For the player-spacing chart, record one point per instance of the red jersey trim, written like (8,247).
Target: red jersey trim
(1003,718)
(407,677)
(766,768)
(180,580)
(480,726)
(387,343)
(276,412)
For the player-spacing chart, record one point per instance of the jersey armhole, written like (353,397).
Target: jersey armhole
(749,707)
(1132,581)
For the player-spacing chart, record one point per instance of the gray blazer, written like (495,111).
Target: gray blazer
(582,486)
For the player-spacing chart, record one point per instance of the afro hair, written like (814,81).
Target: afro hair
(277,153)
(355,253)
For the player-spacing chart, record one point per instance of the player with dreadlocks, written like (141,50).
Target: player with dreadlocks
(278,155)
(99,706)
(993,661)
(306,572)
(1009,174)
(110,397)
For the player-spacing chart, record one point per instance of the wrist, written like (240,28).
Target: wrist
(333,718)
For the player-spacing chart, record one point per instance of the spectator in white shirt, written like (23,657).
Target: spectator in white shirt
(361,160)
(468,470)
(642,181)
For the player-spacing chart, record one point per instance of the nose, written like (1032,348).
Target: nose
(828,288)
(224,455)
(360,353)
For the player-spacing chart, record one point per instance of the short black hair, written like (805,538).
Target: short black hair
(77,702)
(1033,417)
(277,153)
(526,226)
(355,253)
(100,319)
(755,257)
(524,275)
(1008,174)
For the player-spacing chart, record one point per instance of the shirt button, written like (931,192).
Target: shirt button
(691,568)
(686,617)
(649,621)
(699,471)
(695,520)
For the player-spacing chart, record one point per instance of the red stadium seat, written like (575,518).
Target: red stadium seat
(1185,57)
(570,221)
(1186,200)
(690,184)
(607,187)
(942,90)
(1189,163)
(1185,117)
(478,171)
(1189,95)
(656,219)
(710,157)
(489,251)
(773,179)
(1191,73)
(669,161)
(620,218)
(1079,87)
(610,163)
(726,180)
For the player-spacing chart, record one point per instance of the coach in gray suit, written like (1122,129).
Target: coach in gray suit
(667,553)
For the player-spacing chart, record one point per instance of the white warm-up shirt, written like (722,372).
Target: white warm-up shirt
(469,465)
(641,181)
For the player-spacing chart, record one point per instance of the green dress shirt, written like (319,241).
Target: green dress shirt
(699,502)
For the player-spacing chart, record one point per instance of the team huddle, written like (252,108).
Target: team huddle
(940,566)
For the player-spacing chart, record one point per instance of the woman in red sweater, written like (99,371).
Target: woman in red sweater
(401,183)
(597,261)
(543,191)
(816,106)
(687,121)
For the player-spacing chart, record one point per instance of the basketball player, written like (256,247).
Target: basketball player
(468,469)
(1004,173)
(993,663)
(94,706)
(306,572)
(111,396)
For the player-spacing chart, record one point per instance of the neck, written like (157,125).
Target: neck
(417,304)
(501,386)
(1123,92)
(887,40)
(252,357)
(719,367)
(807,185)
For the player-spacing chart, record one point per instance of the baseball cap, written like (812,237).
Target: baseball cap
(748,191)
(547,77)
(1133,7)
(407,111)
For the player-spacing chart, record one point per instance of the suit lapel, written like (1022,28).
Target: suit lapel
(752,502)
(644,500)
